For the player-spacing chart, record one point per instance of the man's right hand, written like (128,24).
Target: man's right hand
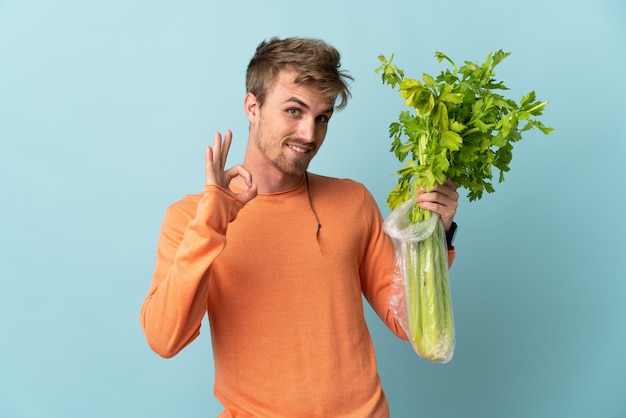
(215,173)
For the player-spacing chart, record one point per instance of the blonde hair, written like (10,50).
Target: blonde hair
(314,61)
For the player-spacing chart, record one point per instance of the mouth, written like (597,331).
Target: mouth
(300,149)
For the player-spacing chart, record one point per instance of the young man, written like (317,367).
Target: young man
(278,257)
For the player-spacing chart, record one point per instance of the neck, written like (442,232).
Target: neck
(268,183)
(268,178)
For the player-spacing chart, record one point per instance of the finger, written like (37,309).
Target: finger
(241,171)
(449,192)
(448,189)
(228,139)
(248,194)
(450,183)
(217,152)
(443,201)
(437,206)
(209,168)
(251,191)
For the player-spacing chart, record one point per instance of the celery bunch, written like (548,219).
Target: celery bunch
(460,127)
(420,295)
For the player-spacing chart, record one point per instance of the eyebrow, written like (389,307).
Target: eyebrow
(306,106)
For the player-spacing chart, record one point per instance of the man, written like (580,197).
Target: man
(278,257)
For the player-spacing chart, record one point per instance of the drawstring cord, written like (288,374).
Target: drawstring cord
(319,225)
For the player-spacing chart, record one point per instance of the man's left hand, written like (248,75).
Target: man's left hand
(442,199)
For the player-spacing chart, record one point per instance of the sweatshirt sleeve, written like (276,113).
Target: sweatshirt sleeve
(191,238)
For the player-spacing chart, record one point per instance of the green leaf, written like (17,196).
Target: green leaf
(529,98)
(429,80)
(449,97)
(459,126)
(451,140)
(499,56)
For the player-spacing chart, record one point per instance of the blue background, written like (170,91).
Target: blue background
(105,110)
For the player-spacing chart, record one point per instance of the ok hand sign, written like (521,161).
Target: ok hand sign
(215,173)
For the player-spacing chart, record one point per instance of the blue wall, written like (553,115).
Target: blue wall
(105,110)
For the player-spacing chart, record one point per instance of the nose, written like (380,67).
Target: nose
(306,130)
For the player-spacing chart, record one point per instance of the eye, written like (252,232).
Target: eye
(293,111)
(323,118)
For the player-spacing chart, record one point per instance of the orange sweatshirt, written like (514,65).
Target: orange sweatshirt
(286,314)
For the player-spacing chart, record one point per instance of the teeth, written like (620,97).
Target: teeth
(297,148)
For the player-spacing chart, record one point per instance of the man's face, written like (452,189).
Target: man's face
(289,128)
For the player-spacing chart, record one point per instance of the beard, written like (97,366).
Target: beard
(276,156)
(291,168)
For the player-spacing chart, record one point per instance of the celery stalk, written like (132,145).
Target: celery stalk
(427,291)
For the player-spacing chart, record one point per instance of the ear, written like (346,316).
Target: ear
(251,106)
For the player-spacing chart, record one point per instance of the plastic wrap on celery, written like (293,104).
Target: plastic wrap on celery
(420,292)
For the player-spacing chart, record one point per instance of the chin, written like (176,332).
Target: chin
(294,169)
(295,172)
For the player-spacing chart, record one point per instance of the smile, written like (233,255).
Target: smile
(298,149)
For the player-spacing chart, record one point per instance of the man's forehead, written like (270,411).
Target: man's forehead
(285,85)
